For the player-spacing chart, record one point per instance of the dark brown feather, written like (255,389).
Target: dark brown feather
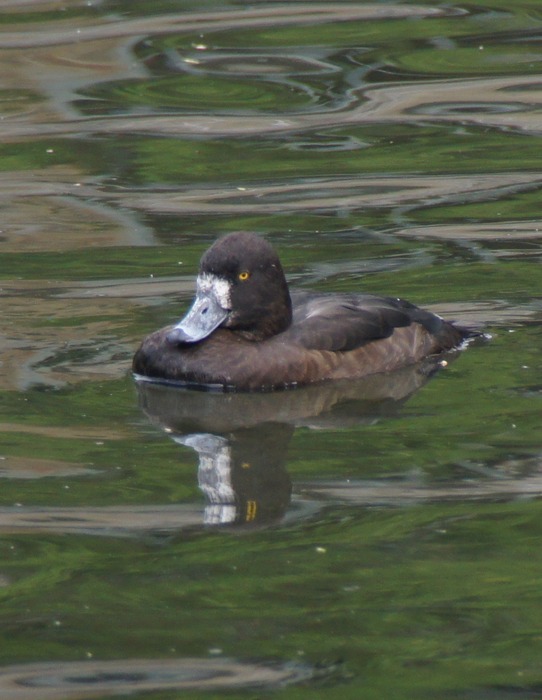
(293,339)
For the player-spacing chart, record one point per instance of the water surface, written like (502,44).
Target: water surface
(343,541)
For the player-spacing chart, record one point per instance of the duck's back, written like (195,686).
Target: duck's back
(346,322)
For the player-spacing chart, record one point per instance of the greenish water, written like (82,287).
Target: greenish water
(353,541)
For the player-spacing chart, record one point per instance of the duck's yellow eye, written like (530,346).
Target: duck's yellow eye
(243,275)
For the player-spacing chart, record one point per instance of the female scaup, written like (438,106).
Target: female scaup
(247,332)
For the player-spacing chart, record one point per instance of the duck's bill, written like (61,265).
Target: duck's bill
(205,315)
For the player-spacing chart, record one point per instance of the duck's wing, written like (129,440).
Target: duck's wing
(341,322)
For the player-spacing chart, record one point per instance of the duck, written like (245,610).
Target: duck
(246,330)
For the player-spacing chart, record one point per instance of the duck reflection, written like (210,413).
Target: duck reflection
(241,439)
(243,476)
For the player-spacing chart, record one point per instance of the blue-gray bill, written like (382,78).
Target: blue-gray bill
(204,316)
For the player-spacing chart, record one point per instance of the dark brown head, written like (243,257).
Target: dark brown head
(240,286)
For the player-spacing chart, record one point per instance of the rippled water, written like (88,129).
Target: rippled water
(344,541)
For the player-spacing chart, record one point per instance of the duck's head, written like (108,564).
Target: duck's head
(240,286)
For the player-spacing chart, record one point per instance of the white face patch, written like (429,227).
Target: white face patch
(217,287)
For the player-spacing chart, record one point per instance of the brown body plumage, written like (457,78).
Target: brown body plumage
(264,338)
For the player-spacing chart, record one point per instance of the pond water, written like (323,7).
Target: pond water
(373,540)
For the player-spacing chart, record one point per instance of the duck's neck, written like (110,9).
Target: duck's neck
(273,318)
(280,316)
